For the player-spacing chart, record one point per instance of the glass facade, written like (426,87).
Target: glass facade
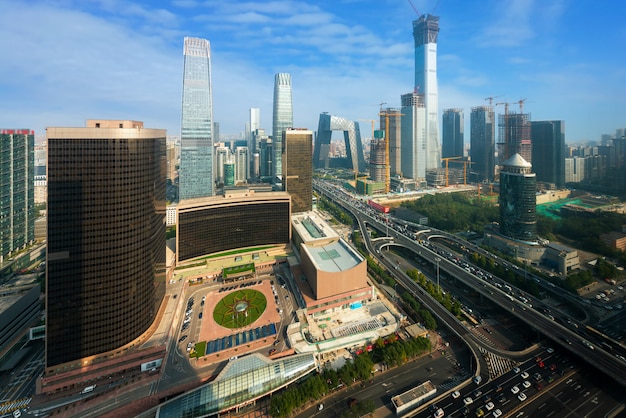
(518,201)
(106,238)
(548,139)
(413,137)
(196,160)
(17,190)
(298,168)
(482,143)
(282,118)
(355,159)
(241,381)
(425,32)
(452,134)
(207,226)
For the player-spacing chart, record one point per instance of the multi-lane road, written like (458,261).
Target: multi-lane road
(570,339)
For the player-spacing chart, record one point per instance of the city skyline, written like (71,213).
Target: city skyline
(344,57)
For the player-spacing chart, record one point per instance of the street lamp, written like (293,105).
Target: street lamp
(437,259)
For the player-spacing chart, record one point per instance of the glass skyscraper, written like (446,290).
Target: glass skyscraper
(106,238)
(283,117)
(425,31)
(518,200)
(548,141)
(413,136)
(196,159)
(482,143)
(17,190)
(452,133)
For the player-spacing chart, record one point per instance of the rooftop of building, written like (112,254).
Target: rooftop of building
(310,226)
(334,256)
(231,196)
(517,160)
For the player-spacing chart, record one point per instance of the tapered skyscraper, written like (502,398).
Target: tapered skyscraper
(425,31)
(283,116)
(196,158)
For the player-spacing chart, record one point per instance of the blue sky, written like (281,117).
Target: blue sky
(67,61)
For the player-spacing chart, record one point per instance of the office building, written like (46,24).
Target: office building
(425,32)
(282,118)
(548,150)
(106,239)
(17,190)
(238,219)
(574,169)
(222,155)
(242,165)
(196,174)
(517,200)
(482,143)
(298,168)
(393,135)
(413,137)
(323,157)
(452,133)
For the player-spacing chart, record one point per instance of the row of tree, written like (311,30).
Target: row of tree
(389,351)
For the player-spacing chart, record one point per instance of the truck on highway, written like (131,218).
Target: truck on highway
(88,389)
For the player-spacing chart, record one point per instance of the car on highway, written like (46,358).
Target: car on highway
(480,412)
(525,375)
(468,401)
(477,393)
(183,338)
(456,394)
(489,406)
(521,396)
(478,379)
(526,384)
(516,370)
(514,390)
(550,350)
(497,413)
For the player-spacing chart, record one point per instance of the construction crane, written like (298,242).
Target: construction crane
(490,98)
(356,169)
(465,164)
(521,105)
(413,6)
(447,159)
(387,165)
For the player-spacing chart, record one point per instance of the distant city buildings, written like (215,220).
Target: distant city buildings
(452,136)
(106,241)
(514,132)
(17,190)
(196,177)
(298,168)
(517,200)
(482,143)
(282,118)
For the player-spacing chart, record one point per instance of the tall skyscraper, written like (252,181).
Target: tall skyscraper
(393,134)
(425,31)
(196,175)
(518,200)
(323,156)
(282,118)
(17,190)
(106,237)
(298,168)
(242,165)
(255,123)
(548,150)
(413,136)
(452,133)
(482,143)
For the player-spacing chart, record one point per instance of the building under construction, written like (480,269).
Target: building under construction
(436,177)
(378,166)
(514,135)
(393,133)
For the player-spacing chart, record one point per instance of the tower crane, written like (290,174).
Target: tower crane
(490,98)
(521,105)
(447,160)
(413,6)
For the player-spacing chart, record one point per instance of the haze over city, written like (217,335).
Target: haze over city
(68,61)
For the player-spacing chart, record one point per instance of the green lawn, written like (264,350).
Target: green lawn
(240,308)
